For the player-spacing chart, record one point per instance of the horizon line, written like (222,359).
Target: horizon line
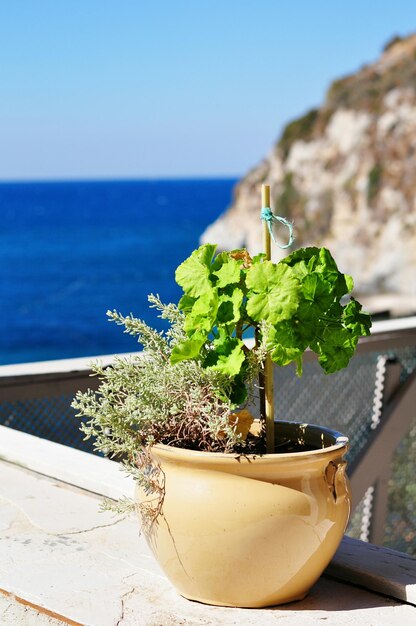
(120,179)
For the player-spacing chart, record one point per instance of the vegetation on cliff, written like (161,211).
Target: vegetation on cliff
(363,90)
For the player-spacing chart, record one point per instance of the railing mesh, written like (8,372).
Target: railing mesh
(342,401)
(49,417)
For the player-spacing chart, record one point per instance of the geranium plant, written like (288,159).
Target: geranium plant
(295,304)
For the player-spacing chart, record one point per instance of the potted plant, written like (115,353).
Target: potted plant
(238,510)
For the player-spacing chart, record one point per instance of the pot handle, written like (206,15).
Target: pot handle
(336,479)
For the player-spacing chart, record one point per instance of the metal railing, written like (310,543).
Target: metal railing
(373,401)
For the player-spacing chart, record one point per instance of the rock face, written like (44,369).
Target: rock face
(346,175)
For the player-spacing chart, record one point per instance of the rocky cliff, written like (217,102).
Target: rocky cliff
(346,174)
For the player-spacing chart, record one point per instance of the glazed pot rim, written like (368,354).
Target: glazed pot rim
(340,442)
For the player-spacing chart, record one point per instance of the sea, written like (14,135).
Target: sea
(69,251)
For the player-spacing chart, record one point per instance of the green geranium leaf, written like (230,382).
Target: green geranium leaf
(220,259)
(335,311)
(227,356)
(202,316)
(229,306)
(318,291)
(274,292)
(328,268)
(343,285)
(301,270)
(309,261)
(326,263)
(349,281)
(285,344)
(238,393)
(229,273)
(186,303)
(359,323)
(336,350)
(307,321)
(259,258)
(303,257)
(188,349)
(193,275)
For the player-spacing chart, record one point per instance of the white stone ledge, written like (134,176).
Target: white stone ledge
(81,469)
(63,558)
(58,366)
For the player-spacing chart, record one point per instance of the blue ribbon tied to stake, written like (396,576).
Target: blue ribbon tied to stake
(268,216)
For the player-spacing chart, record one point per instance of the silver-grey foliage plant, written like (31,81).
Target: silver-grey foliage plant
(145,399)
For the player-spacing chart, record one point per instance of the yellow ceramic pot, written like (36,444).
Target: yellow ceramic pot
(251,531)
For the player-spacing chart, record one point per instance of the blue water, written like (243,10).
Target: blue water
(70,251)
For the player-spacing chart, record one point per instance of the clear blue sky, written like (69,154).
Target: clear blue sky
(98,89)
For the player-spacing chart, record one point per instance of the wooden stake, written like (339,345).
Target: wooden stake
(268,403)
